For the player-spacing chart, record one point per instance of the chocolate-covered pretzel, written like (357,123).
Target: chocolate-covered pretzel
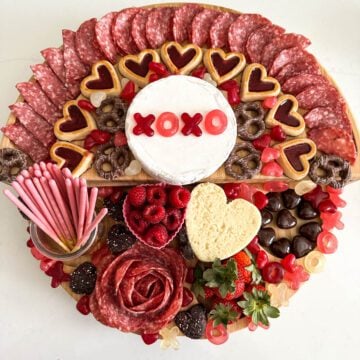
(12,162)
(111,115)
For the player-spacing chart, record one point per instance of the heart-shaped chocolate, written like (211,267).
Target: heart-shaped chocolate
(281,247)
(223,66)
(301,246)
(290,199)
(76,124)
(181,59)
(285,220)
(266,236)
(274,201)
(71,156)
(284,114)
(266,217)
(310,230)
(306,211)
(192,322)
(103,78)
(256,85)
(136,67)
(217,229)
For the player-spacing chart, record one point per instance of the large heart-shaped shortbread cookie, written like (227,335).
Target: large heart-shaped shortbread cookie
(217,229)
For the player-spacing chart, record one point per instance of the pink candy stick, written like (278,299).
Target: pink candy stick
(47,175)
(38,173)
(92,226)
(72,200)
(59,178)
(31,170)
(82,211)
(42,166)
(25,174)
(76,185)
(36,166)
(20,179)
(67,173)
(83,183)
(92,203)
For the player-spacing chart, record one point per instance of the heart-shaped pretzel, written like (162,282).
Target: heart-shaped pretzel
(181,59)
(223,66)
(256,85)
(103,78)
(76,124)
(284,114)
(136,67)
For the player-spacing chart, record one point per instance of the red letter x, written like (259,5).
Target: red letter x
(143,124)
(191,124)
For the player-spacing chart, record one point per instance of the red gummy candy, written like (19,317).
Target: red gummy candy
(295,278)
(277,133)
(199,72)
(238,190)
(332,190)
(188,297)
(233,96)
(56,271)
(254,247)
(120,139)
(191,124)
(262,142)
(261,259)
(143,124)
(289,263)
(331,220)
(37,254)
(316,196)
(272,169)
(275,186)
(327,242)
(336,199)
(46,264)
(327,206)
(159,69)
(89,142)
(270,154)
(83,305)
(260,200)
(269,102)
(149,339)
(128,92)
(86,105)
(228,85)
(101,137)
(30,243)
(153,77)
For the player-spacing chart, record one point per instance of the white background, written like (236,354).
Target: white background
(38,322)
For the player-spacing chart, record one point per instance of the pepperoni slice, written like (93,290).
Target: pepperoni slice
(183,18)
(138,29)
(200,26)
(54,57)
(298,68)
(104,36)
(220,28)
(299,83)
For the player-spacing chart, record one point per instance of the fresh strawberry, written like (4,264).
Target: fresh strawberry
(225,312)
(156,195)
(239,289)
(242,259)
(156,235)
(154,213)
(259,287)
(209,292)
(137,196)
(230,303)
(179,197)
(120,139)
(244,275)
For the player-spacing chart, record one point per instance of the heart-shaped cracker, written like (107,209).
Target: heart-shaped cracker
(181,59)
(223,66)
(216,229)
(294,157)
(69,155)
(136,67)
(256,85)
(284,114)
(103,78)
(76,124)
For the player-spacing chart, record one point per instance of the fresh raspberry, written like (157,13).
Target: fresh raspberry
(154,213)
(242,259)
(172,219)
(239,289)
(137,196)
(157,235)
(137,222)
(179,197)
(244,275)
(120,139)
(156,195)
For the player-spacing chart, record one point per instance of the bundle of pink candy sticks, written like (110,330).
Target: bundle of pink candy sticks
(57,203)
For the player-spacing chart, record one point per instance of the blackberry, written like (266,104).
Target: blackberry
(120,239)
(115,210)
(83,278)
(184,245)
(192,322)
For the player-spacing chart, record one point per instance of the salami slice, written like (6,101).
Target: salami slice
(74,68)
(50,84)
(183,18)
(220,29)
(200,27)
(104,37)
(86,44)
(37,99)
(280,43)
(299,83)
(138,29)
(299,68)
(159,26)
(54,57)
(121,31)
(242,28)
(335,141)
(26,142)
(258,39)
(34,123)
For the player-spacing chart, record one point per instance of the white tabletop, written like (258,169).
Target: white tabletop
(38,322)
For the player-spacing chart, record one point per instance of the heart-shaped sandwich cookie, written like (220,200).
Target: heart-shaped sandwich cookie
(103,78)
(223,66)
(256,85)
(136,67)
(76,124)
(217,229)
(181,59)
(284,114)
(295,156)
(69,155)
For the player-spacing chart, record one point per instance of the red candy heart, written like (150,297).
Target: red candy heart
(269,102)
(277,133)
(83,305)
(272,169)
(254,247)
(260,200)
(159,69)
(86,105)
(228,85)
(199,72)
(289,262)
(261,259)
(270,154)
(262,142)
(275,186)
(327,206)
(128,92)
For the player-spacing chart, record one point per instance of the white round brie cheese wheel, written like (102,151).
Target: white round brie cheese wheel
(180,159)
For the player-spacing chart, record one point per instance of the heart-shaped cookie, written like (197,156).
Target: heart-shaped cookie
(136,67)
(76,124)
(181,59)
(294,157)
(103,78)
(217,229)
(256,85)
(223,66)
(69,155)
(284,114)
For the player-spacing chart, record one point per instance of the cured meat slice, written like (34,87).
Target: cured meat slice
(280,43)
(74,89)
(50,84)
(299,83)
(183,18)
(104,36)
(86,44)
(258,39)
(37,99)
(26,142)
(335,141)
(74,68)
(220,28)
(34,123)
(138,29)
(54,57)
(121,31)
(159,26)
(242,28)
(200,27)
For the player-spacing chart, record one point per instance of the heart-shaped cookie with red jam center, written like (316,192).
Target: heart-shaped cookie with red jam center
(284,114)
(256,85)
(136,67)
(223,66)
(181,59)
(103,78)
(295,156)
(76,124)
(71,156)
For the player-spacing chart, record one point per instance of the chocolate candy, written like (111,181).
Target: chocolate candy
(275,203)
(281,247)
(301,246)
(290,199)
(306,211)
(266,236)
(310,230)
(12,162)
(285,220)
(266,217)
